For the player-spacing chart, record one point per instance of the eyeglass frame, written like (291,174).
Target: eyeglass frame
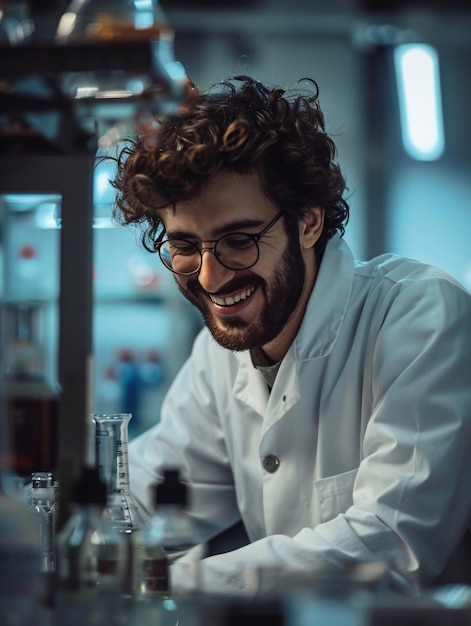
(254,236)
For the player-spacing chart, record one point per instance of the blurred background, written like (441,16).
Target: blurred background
(407,169)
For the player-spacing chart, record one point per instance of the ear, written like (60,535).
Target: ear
(311,226)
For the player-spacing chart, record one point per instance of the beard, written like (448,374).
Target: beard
(281,297)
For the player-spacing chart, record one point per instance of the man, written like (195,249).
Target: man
(327,403)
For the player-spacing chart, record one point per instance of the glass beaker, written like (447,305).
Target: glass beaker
(111,459)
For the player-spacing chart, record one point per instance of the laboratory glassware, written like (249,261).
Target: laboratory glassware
(31,398)
(43,504)
(111,459)
(109,94)
(92,558)
(168,533)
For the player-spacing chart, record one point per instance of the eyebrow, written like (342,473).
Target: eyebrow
(233,227)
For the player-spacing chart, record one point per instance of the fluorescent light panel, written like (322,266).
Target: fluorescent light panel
(418,84)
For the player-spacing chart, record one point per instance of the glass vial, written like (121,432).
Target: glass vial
(43,504)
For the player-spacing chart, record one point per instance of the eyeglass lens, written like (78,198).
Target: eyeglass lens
(234,251)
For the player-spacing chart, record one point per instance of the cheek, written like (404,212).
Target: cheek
(270,260)
(272,251)
(182,281)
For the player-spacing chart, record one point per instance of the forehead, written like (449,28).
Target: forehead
(226,198)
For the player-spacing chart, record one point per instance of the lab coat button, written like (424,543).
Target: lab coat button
(271,463)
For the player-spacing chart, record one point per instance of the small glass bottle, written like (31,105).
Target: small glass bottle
(43,504)
(91,560)
(44,510)
(169,532)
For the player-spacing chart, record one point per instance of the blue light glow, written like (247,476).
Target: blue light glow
(418,84)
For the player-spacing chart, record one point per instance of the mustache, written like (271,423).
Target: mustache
(240,282)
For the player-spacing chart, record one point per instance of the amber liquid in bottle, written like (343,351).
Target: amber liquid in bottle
(32,412)
(31,402)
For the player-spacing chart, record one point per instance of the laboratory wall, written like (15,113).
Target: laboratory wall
(419,209)
(428,204)
(280,44)
(143,329)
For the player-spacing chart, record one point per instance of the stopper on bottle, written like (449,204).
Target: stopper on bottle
(171,490)
(89,488)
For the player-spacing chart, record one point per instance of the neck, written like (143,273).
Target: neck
(260,358)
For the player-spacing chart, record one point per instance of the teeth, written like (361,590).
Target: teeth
(232,299)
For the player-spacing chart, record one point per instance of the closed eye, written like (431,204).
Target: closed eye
(237,241)
(181,246)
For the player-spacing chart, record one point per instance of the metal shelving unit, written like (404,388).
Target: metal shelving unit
(62,162)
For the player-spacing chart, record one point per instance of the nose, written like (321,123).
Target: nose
(212,274)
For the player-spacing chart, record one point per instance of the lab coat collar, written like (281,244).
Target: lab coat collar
(319,328)
(327,304)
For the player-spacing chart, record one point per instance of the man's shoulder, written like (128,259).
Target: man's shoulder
(392,269)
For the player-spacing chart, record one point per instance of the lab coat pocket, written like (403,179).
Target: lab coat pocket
(335,494)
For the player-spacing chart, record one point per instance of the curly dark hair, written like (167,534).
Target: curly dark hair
(239,125)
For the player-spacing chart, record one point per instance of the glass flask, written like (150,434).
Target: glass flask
(88,20)
(92,559)
(168,535)
(110,94)
(111,459)
(151,567)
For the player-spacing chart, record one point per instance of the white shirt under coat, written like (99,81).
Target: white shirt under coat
(368,429)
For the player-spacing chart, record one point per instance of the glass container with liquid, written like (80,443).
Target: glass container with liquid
(31,398)
(111,459)
(168,534)
(92,559)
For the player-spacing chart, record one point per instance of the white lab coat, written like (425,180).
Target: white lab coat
(369,419)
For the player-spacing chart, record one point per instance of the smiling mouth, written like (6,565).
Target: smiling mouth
(234,299)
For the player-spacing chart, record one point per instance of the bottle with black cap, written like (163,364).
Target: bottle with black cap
(168,534)
(91,555)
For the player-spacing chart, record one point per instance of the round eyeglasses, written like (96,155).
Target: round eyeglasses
(236,251)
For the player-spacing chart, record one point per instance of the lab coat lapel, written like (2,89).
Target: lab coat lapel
(249,386)
(328,303)
(318,332)
(316,338)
